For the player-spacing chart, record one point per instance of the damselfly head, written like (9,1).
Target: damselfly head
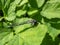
(34,22)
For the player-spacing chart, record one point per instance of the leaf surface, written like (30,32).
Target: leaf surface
(51,9)
(34,36)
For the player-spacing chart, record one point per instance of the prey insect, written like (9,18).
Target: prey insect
(33,23)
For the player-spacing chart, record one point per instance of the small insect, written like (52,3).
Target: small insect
(33,23)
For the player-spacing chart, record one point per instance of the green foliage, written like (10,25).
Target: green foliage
(29,22)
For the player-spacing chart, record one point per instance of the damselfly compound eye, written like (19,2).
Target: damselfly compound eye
(34,22)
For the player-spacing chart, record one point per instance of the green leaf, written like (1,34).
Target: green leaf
(1,18)
(17,40)
(9,8)
(2,2)
(34,36)
(11,11)
(36,3)
(5,35)
(40,3)
(21,28)
(53,32)
(4,6)
(22,31)
(13,6)
(23,2)
(51,9)
(10,17)
(20,12)
(7,3)
(32,11)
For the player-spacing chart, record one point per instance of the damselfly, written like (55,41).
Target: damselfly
(33,23)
